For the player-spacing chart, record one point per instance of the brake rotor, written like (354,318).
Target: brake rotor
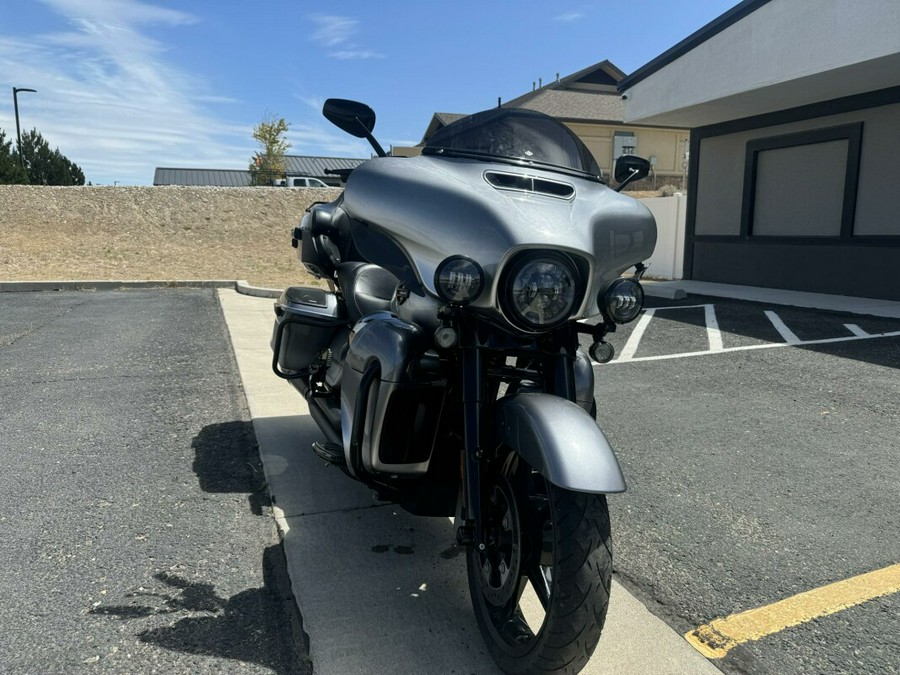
(501,561)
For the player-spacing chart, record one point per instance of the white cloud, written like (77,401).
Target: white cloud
(110,99)
(121,11)
(336,32)
(333,31)
(356,54)
(569,16)
(315,103)
(332,143)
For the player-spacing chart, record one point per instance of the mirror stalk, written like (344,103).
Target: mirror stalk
(374,143)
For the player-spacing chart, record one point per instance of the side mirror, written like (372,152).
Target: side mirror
(630,168)
(357,119)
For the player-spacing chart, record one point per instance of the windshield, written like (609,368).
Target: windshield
(515,135)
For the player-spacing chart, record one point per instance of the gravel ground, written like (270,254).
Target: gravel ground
(52,233)
(158,233)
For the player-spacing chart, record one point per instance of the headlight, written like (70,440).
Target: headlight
(459,279)
(622,300)
(540,290)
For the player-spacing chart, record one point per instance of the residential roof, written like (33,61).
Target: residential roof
(295,165)
(574,105)
(589,94)
(438,121)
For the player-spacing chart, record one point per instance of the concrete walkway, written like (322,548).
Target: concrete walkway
(381,591)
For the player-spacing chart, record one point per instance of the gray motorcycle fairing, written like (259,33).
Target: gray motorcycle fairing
(433,207)
(560,441)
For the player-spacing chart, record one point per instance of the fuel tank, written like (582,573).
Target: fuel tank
(432,207)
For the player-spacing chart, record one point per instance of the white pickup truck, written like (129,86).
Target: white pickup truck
(300,181)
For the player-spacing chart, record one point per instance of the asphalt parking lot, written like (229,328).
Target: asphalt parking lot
(134,527)
(760,451)
(760,446)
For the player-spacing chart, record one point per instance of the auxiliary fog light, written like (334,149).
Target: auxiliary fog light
(602,352)
(446,337)
(459,280)
(622,300)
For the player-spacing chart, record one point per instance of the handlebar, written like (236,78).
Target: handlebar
(343,174)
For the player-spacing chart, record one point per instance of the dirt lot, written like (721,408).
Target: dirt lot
(56,233)
(159,233)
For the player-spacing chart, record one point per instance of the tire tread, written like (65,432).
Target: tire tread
(581,585)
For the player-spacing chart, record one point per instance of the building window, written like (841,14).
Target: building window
(802,185)
(624,143)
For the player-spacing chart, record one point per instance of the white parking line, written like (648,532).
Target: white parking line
(782,329)
(714,335)
(768,345)
(712,329)
(635,338)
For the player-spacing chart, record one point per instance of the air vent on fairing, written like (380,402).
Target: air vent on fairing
(522,183)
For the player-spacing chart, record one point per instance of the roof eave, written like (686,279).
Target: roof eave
(692,41)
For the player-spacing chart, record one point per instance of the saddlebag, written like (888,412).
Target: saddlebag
(306,320)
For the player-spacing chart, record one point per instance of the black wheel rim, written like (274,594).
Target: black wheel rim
(516,567)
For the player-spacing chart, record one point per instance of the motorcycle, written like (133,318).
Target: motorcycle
(443,363)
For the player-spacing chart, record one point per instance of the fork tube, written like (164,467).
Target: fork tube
(562,380)
(473,395)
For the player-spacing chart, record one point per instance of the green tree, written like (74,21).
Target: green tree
(45,166)
(10,170)
(268,163)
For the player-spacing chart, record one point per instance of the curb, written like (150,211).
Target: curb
(244,288)
(660,291)
(96,285)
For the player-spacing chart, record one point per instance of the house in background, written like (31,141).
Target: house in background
(438,121)
(794,107)
(588,102)
(295,165)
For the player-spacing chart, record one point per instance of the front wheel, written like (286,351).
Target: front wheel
(540,586)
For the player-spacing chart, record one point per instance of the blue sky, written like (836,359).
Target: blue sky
(125,86)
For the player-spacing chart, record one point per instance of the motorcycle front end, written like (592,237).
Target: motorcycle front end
(445,368)
(534,517)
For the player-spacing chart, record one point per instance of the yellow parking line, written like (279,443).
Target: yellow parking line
(716,638)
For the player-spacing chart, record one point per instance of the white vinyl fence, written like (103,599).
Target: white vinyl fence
(667,261)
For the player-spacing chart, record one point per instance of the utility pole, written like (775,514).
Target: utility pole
(16,91)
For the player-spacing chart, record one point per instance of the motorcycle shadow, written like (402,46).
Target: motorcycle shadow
(226,460)
(186,612)
(238,628)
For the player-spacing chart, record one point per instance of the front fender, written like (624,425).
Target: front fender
(560,440)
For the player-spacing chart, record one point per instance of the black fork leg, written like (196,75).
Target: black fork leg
(473,400)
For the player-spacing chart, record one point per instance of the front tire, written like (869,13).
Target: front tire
(540,587)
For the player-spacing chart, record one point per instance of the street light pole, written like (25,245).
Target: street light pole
(16,91)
